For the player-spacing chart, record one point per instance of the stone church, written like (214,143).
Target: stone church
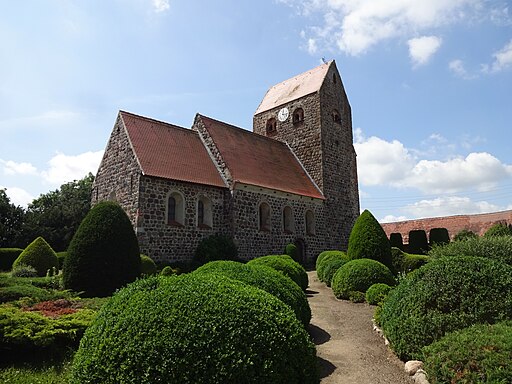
(292,180)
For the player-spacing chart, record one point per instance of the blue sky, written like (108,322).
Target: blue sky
(429,82)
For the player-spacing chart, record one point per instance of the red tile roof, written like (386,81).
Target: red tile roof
(171,152)
(294,88)
(258,160)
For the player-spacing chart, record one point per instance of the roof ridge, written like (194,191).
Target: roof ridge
(170,125)
(246,131)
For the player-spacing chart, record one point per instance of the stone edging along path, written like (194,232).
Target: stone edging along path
(348,348)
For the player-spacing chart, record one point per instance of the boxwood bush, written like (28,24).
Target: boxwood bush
(369,241)
(216,247)
(287,266)
(478,354)
(358,275)
(7,257)
(195,328)
(498,248)
(377,293)
(266,278)
(330,269)
(40,255)
(147,266)
(324,259)
(445,295)
(405,262)
(103,254)
(439,236)
(292,251)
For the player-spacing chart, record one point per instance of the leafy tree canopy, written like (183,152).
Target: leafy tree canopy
(11,220)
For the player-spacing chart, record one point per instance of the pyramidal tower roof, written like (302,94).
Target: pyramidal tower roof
(294,88)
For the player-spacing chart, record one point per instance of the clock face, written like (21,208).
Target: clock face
(283,114)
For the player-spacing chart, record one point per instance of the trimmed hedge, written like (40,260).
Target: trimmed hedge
(405,262)
(497,248)
(324,259)
(195,328)
(7,257)
(292,251)
(103,254)
(216,247)
(369,241)
(377,293)
(147,266)
(418,243)
(266,278)
(358,275)
(40,255)
(479,354)
(321,256)
(438,236)
(287,266)
(330,269)
(396,240)
(445,295)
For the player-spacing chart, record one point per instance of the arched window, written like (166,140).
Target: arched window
(204,213)
(175,214)
(310,223)
(336,117)
(264,211)
(112,196)
(288,222)
(298,116)
(271,126)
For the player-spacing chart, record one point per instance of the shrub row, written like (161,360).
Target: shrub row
(325,261)
(287,266)
(406,262)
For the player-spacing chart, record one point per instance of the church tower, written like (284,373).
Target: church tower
(311,113)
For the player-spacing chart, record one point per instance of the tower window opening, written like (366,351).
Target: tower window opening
(271,127)
(298,115)
(336,117)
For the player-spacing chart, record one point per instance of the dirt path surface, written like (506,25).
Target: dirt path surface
(349,350)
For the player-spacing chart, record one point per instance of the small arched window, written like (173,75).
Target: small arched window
(310,223)
(112,196)
(204,213)
(271,127)
(298,116)
(264,219)
(336,117)
(288,222)
(175,209)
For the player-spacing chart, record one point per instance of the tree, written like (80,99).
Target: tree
(56,215)
(11,220)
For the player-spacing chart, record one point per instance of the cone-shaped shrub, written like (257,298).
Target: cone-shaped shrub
(359,275)
(266,278)
(445,295)
(38,255)
(369,241)
(287,266)
(195,328)
(103,254)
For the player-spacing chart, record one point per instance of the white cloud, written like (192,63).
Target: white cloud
(422,48)
(312,48)
(502,59)
(390,163)
(160,5)
(13,168)
(355,26)
(18,196)
(448,206)
(392,219)
(458,68)
(64,168)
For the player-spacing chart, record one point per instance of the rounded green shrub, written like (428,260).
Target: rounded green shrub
(445,295)
(194,328)
(497,248)
(418,243)
(15,292)
(167,271)
(478,354)
(439,236)
(292,251)
(465,234)
(266,278)
(287,266)
(147,265)
(7,257)
(103,254)
(405,262)
(39,255)
(358,275)
(325,259)
(369,241)
(498,230)
(331,267)
(377,293)
(216,247)
(396,240)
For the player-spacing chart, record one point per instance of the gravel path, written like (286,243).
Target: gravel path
(350,352)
